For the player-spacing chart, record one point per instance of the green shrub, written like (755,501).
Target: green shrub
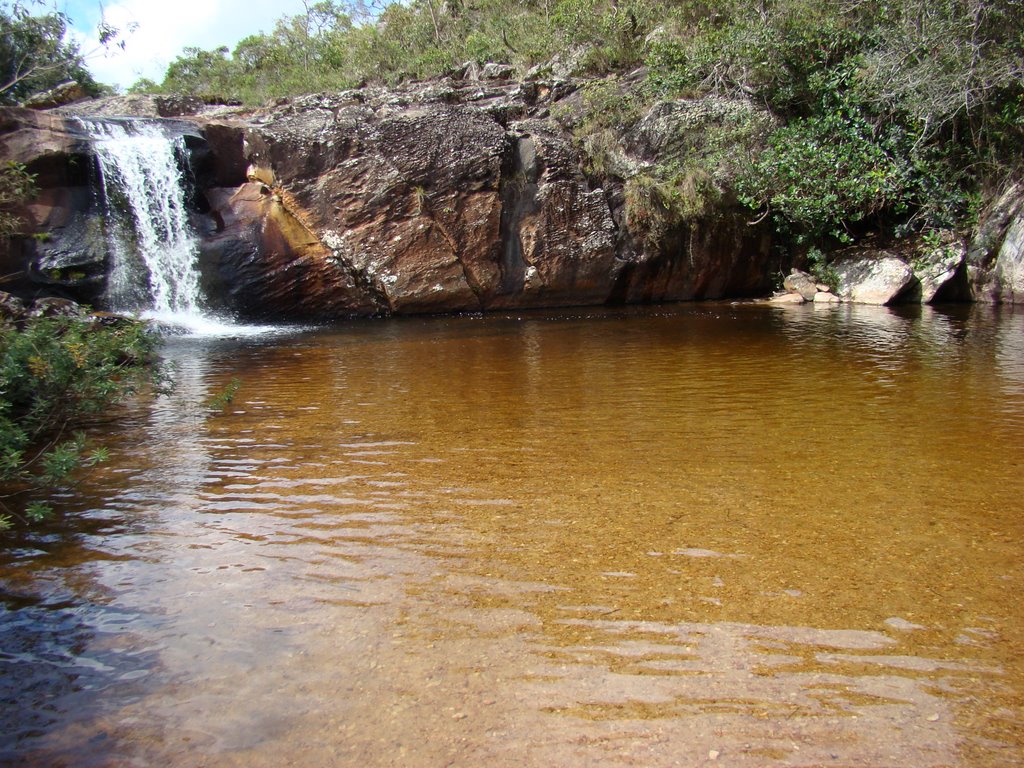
(608,111)
(55,375)
(820,268)
(16,186)
(835,173)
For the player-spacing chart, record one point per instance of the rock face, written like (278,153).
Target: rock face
(995,257)
(56,151)
(462,194)
(455,196)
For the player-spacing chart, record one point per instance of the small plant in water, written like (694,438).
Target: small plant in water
(223,399)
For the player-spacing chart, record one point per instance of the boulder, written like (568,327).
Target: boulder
(1008,272)
(801,283)
(995,256)
(939,270)
(65,93)
(12,309)
(495,71)
(787,298)
(873,277)
(56,307)
(469,70)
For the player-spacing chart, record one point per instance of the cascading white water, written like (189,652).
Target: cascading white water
(153,250)
(154,253)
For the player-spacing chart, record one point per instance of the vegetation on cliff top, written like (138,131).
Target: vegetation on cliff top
(36,53)
(891,116)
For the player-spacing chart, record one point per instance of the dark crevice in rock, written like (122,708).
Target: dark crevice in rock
(620,287)
(518,194)
(956,289)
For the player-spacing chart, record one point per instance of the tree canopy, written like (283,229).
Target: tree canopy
(35,54)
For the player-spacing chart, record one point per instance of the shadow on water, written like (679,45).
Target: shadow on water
(67,644)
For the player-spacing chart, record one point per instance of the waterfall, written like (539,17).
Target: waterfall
(153,252)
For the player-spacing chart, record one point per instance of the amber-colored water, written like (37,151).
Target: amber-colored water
(734,535)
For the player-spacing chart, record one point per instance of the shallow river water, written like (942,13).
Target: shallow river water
(735,535)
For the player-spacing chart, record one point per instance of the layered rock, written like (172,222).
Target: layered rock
(455,196)
(462,194)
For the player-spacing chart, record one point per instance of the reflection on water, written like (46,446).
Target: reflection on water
(742,534)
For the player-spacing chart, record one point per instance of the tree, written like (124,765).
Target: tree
(199,72)
(34,55)
(954,69)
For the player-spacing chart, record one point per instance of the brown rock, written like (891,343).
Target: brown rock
(12,309)
(270,264)
(801,283)
(55,307)
(787,298)
(446,196)
(65,93)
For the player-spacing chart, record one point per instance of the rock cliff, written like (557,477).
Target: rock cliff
(453,195)
(444,197)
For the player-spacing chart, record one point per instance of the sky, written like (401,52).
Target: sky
(165,27)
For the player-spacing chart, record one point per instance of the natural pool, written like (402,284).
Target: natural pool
(741,535)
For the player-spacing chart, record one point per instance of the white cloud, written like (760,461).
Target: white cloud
(165,28)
